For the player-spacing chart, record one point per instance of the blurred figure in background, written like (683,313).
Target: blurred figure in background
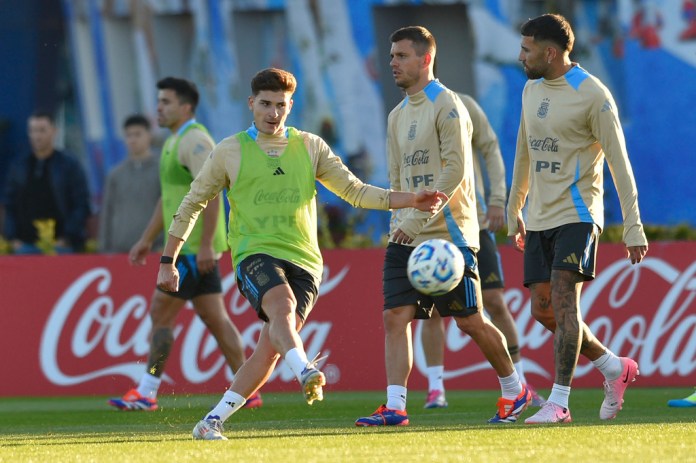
(46,195)
(131,191)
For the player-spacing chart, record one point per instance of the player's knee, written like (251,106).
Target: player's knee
(263,357)
(396,320)
(162,319)
(500,317)
(545,317)
(472,325)
(282,310)
(211,320)
(494,302)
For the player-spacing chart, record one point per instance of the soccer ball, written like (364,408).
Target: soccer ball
(435,267)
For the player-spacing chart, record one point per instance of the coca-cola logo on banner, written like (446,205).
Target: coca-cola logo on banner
(87,329)
(124,332)
(644,311)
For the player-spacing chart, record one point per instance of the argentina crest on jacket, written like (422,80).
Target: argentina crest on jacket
(543,108)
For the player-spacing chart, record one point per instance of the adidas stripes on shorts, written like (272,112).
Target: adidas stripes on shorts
(462,301)
(568,247)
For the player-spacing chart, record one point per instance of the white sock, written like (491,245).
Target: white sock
(559,395)
(435,382)
(297,361)
(609,364)
(510,386)
(230,403)
(519,367)
(396,397)
(149,385)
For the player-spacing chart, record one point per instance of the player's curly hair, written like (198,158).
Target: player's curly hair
(274,80)
(552,27)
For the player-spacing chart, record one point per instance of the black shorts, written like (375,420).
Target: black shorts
(462,301)
(568,247)
(489,265)
(259,273)
(192,282)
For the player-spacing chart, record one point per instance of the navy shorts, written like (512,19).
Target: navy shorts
(568,247)
(462,301)
(259,273)
(192,282)
(489,264)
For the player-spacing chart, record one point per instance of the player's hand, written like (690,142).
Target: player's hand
(636,253)
(400,237)
(496,218)
(168,278)
(205,259)
(518,239)
(139,252)
(429,200)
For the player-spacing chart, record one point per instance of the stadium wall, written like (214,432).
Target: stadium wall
(75,325)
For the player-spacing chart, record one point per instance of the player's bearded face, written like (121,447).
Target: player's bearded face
(533,58)
(270,109)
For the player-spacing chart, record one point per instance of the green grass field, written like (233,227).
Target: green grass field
(85,429)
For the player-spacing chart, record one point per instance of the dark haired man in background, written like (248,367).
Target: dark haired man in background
(46,195)
(183,155)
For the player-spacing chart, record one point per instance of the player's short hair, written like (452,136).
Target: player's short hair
(43,114)
(550,27)
(274,80)
(186,91)
(423,40)
(137,120)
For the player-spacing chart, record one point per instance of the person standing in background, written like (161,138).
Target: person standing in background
(183,155)
(47,199)
(131,191)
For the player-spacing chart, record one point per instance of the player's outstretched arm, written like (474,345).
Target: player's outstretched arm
(424,200)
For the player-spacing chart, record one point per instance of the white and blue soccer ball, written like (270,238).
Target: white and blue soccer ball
(435,267)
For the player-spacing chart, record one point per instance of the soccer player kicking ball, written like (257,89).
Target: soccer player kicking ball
(569,125)
(270,171)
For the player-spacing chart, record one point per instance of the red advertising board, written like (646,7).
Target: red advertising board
(79,324)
